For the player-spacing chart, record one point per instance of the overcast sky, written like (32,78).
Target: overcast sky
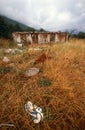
(52,15)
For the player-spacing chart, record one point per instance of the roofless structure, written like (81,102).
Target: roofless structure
(40,37)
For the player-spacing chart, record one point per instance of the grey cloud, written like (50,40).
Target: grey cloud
(51,15)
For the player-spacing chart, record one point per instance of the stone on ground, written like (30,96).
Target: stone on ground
(32,71)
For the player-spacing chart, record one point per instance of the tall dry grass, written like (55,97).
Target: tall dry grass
(6,43)
(63,102)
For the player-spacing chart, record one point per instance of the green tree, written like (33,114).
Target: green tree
(17,27)
(3,28)
(81,35)
(42,30)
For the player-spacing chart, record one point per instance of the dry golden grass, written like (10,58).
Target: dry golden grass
(4,43)
(63,102)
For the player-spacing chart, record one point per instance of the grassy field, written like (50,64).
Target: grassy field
(61,95)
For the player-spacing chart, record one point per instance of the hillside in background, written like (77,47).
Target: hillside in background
(7,26)
(13,23)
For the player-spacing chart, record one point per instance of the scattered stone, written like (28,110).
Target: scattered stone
(32,71)
(6,59)
(13,51)
(8,51)
(35,49)
(34,111)
(6,124)
(20,45)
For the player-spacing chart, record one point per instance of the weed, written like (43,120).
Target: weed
(48,114)
(4,43)
(1,83)
(25,56)
(21,72)
(5,70)
(44,82)
(12,44)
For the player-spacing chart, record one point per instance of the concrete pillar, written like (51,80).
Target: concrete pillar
(29,38)
(56,38)
(18,38)
(48,38)
(40,38)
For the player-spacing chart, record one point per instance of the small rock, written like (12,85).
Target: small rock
(6,59)
(13,51)
(8,51)
(34,111)
(35,49)
(19,45)
(32,71)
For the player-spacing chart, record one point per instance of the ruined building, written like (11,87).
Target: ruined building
(40,37)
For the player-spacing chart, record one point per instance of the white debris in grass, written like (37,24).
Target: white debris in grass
(6,125)
(12,51)
(32,71)
(6,59)
(35,49)
(20,45)
(34,111)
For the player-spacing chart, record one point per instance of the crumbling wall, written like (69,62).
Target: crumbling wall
(16,37)
(39,37)
(43,38)
(52,38)
(57,38)
(29,38)
(35,37)
(48,38)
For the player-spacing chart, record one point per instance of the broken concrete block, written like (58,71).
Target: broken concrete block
(32,71)
(34,111)
(19,45)
(6,59)
(29,106)
(8,51)
(37,49)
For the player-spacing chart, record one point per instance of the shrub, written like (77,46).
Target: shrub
(44,82)
(5,70)
(12,44)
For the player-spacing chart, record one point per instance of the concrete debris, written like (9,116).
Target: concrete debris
(19,45)
(8,51)
(35,49)
(12,51)
(6,59)
(34,111)
(32,71)
(6,125)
